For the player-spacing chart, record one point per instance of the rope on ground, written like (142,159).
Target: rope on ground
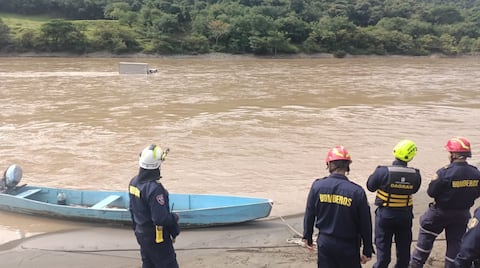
(249,248)
(291,227)
(300,242)
(297,238)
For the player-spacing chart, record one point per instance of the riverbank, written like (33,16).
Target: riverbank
(263,243)
(213,55)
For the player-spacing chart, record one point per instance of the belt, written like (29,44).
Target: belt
(344,239)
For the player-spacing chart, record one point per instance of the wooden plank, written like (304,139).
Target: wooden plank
(28,193)
(105,202)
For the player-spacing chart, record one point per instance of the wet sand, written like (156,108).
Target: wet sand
(262,243)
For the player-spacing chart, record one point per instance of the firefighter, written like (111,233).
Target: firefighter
(470,247)
(155,226)
(454,191)
(340,210)
(395,185)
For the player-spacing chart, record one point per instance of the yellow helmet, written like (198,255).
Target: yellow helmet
(405,150)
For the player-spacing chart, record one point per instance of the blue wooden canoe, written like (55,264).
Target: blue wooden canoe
(195,210)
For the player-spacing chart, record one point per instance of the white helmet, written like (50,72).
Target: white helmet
(13,175)
(152,156)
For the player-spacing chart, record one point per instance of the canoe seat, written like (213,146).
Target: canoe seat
(28,193)
(106,201)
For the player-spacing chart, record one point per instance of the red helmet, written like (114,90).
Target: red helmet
(338,153)
(458,145)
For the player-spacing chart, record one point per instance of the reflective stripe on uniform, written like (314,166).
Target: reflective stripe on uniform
(422,250)
(395,200)
(449,259)
(134,191)
(428,232)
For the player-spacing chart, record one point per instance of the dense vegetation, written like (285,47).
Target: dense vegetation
(264,27)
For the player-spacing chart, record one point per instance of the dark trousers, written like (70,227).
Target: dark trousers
(393,224)
(337,253)
(432,223)
(156,255)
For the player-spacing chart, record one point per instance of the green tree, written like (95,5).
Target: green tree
(238,37)
(466,45)
(417,28)
(114,10)
(79,9)
(273,8)
(165,44)
(167,24)
(393,24)
(294,28)
(444,15)
(28,40)
(366,41)
(333,34)
(476,46)
(4,34)
(313,10)
(428,44)
(448,44)
(114,39)
(200,23)
(61,35)
(128,18)
(217,29)
(340,8)
(271,44)
(400,8)
(393,42)
(196,43)
(366,12)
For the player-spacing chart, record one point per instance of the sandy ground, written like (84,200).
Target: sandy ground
(262,243)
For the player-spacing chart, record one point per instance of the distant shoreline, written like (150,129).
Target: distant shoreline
(212,55)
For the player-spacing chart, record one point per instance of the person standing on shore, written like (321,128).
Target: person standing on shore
(155,226)
(454,190)
(470,247)
(340,210)
(395,185)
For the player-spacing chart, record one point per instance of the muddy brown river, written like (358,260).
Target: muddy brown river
(234,125)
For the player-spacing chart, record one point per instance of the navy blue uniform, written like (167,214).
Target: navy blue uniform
(454,191)
(470,248)
(340,210)
(395,186)
(154,224)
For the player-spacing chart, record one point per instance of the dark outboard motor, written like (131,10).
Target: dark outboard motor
(11,177)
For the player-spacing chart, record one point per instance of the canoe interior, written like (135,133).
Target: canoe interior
(179,202)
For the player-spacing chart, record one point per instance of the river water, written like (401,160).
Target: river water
(234,125)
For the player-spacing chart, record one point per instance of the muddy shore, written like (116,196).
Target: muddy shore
(272,242)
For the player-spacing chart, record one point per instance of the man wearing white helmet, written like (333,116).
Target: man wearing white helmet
(155,225)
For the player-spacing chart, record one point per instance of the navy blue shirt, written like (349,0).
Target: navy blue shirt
(339,208)
(456,186)
(149,203)
(470,248)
